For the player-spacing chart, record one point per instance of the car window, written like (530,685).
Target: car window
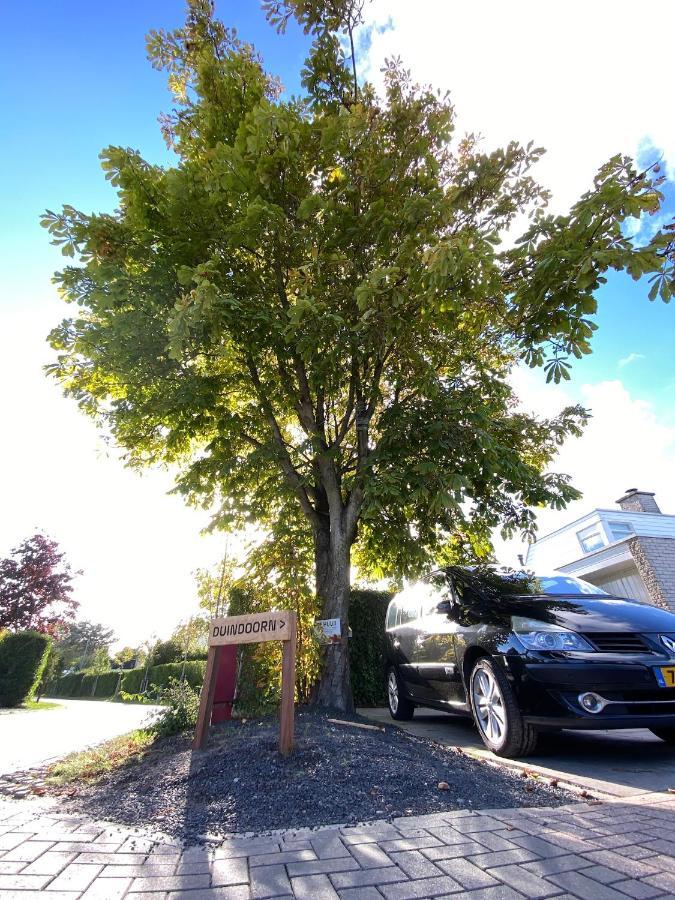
(408,609)
(391,615)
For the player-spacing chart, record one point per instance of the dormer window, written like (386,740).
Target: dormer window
(591,538)
(621,530)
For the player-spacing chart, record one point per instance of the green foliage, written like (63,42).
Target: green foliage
(315,310)
(182,706)
(191,671)
(66,685)
(132,680)
(23,657)
(125,655)
(367,613)
(277,575)
(166,652)
(87,684)
(51,671)
(106,684)
(80,647)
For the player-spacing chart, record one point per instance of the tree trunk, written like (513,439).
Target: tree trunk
(332,561)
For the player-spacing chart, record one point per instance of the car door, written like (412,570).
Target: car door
(404,638)
(438,672)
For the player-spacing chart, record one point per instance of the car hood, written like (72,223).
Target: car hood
(588,614)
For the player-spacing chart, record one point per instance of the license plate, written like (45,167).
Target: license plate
(665,675)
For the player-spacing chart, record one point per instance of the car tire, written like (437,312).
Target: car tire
(399,706)
(496,713)
(666,734)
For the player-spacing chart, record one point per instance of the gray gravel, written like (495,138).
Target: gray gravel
(337,774)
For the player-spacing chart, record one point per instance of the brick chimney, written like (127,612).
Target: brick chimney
(638,501)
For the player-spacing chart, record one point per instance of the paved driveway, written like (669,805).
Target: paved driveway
(621,763)
(604,851)
(30,738)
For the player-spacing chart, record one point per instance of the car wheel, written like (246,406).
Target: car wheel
(666,734)
(399,706)
(496,712)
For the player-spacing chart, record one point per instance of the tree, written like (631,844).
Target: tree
(36,587)
(213,587)
(315,306)
(192,636)
(77,648)
(124,657)
(166,652)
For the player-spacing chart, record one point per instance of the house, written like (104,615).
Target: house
(629,552)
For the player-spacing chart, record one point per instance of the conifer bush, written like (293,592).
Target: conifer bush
(23,657)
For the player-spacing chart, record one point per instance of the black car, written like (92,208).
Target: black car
(524,653)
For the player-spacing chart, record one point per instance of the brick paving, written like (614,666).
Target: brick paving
(592,851)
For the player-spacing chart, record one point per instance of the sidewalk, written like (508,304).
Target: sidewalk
(595,851)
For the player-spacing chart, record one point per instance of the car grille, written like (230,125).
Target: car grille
(617,642)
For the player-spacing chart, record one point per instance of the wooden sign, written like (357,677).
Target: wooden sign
(270,626)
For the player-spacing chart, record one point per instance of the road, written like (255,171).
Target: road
(620,763)
(33,737)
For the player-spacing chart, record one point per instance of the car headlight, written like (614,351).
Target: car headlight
(536,635)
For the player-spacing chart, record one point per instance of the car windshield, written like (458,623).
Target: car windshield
(527,583)
(562,584)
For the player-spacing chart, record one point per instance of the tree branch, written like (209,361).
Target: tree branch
(287,467)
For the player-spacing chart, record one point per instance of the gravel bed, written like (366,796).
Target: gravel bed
(336,774)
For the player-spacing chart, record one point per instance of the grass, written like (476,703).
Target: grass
(90,765)
(39,704)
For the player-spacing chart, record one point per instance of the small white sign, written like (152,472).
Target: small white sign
(328,631)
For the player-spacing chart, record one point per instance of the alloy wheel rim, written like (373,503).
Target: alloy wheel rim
(393,692)
(489,705)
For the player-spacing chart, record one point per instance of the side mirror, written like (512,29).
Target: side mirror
(445,607)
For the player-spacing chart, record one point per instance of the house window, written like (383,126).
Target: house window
(591,538)
(621,530)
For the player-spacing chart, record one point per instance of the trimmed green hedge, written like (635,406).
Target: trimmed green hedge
(23,657)
(104,685)
(107,684)
(132,680)
(194,673)
(367,613)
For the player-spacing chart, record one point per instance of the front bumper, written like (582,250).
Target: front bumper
(548,692)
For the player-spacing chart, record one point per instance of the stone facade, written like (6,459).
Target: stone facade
(655,561)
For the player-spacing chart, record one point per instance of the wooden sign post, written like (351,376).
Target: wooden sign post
(270,626)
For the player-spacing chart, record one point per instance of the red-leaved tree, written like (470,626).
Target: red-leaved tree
(36,587)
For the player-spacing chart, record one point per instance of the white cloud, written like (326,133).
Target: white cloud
(624,445)
(631,358)
(559,74)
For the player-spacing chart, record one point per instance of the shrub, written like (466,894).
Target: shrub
(367,613)
(181,702)
(133,680)
(107,684)
(66,685)
(191,671)
(23,657)
(166,652)
(87,685)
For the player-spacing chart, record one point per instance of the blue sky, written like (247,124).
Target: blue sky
(74,78)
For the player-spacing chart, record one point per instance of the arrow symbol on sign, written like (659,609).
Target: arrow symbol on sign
(282,624)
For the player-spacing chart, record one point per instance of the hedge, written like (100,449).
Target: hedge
(103,685)
(23,657)
(194,673)
(367,613)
